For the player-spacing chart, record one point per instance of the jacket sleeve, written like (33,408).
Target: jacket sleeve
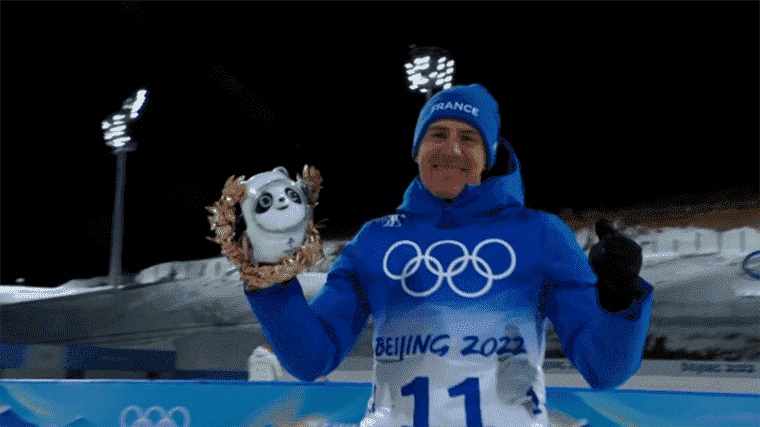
(606,348)
(312,339)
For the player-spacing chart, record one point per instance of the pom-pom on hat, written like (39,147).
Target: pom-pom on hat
(472,104)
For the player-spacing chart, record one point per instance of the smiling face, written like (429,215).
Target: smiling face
(279,207)
(451,155)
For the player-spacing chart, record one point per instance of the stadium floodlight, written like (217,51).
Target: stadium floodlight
(116,125)
(429,68)
(114,132)
(137,103)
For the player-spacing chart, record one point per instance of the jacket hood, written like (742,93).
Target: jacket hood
(495,193)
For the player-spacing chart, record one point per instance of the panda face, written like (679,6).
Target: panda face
(280,206)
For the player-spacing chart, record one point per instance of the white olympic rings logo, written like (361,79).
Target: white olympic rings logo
(414,264)
(143,420)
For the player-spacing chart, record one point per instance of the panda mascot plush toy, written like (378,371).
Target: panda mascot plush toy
(276,214)
(265,225)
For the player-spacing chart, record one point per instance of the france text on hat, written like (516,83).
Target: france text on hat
(467,108)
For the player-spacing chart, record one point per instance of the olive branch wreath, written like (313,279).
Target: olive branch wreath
(239,252)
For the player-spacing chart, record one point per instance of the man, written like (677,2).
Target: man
(461,282)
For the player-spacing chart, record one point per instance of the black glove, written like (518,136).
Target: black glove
(616,260)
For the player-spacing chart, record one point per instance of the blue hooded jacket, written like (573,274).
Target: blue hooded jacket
(460,297)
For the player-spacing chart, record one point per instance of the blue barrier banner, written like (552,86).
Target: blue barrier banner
(211,403)
(139,403)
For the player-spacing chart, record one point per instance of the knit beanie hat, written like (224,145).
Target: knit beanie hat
(472,104)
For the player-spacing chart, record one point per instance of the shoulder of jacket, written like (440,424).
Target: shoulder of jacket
(381,225)
(548,219)
(394,220)
(519,214)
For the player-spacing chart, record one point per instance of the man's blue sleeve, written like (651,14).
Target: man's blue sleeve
(312,339)
(605,348)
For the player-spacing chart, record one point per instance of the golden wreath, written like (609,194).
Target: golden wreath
(257,277)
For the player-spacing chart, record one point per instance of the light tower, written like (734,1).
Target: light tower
(428,69)
(113,132)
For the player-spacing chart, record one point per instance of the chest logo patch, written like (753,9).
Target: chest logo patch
(393,220)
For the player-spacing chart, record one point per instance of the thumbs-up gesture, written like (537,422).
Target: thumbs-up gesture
(616,260)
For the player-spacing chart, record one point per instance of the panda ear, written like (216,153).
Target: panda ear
(282,170)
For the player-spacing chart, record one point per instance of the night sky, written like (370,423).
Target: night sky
(607,104)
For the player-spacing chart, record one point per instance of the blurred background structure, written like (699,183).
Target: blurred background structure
(605,119)
(190,319)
